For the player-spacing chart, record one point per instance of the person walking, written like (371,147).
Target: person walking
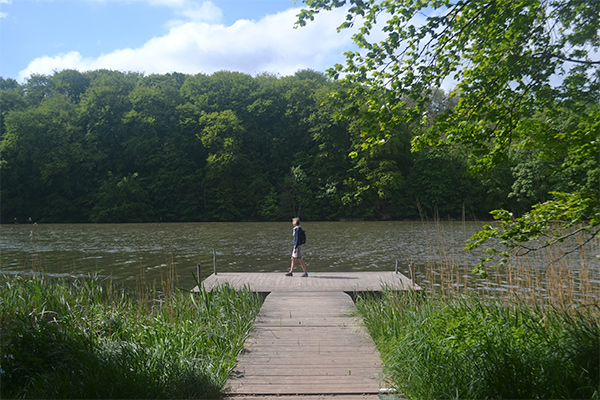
(297,253)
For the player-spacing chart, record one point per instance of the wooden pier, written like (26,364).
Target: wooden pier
(306,344)
(350,282)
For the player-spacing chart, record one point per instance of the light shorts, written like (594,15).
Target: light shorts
(297,253)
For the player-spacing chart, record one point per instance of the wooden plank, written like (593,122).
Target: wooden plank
(323,341)
(307,388)
(317,348)
(305,397)
(309,371)
(350,364)
(344,380)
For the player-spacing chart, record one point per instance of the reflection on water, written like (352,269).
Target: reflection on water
(130,251)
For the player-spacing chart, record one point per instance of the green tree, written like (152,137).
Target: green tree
(377,181)
(313,146)
(70,83)
(223,90)
(228,169)
(38,87)
(122,200)
(101,110)
(12,97)
(45,169)
(518,67)
(329,163)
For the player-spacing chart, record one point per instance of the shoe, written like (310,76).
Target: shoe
(289,273)
(305,274)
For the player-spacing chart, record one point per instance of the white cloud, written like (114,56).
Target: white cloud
(206,11)
(3,14)
(267,45)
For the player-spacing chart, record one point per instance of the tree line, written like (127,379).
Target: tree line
(109,146)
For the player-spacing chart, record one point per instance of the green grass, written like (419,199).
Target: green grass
(87,339)
(472,348)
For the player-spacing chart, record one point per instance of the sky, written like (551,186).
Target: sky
(162,36)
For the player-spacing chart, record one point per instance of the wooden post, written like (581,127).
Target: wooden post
(199,271)
(215,261)
(412,274)
(396,266)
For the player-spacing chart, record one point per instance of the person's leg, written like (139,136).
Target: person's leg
(305,274)
(302,264)
(291,267)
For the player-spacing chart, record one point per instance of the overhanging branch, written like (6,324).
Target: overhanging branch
(528,250)
(568,59)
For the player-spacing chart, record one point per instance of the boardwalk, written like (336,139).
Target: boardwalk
(316,282)
(306,344)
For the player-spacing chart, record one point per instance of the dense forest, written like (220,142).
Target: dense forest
(108,146)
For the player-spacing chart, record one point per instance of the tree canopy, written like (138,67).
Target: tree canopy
(526,76)
(109,146)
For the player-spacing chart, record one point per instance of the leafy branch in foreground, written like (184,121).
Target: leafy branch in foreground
(527,80)
(547,224)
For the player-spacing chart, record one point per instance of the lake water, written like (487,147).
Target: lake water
(130,252)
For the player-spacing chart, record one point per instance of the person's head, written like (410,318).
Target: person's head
(296,221)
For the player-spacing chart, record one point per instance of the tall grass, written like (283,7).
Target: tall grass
(546,276)
(529,331)
(89,339)
(474,348)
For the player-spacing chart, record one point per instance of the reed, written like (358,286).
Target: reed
(528,330)
(546,276)
(87,338)
(475,348)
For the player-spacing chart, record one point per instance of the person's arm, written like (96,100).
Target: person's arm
(295,238)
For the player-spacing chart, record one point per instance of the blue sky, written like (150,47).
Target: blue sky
(161,36)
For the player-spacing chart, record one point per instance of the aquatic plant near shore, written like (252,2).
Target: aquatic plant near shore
(87,339)
(475,348)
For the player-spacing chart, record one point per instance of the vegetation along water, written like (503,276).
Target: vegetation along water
(477,348)
(86,338)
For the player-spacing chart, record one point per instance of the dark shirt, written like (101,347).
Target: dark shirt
(296,236)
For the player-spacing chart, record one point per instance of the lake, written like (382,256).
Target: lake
(134,252)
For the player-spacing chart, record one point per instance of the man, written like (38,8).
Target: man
(297,253)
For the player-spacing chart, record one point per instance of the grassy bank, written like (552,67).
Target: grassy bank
(471,348)
(88,339)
